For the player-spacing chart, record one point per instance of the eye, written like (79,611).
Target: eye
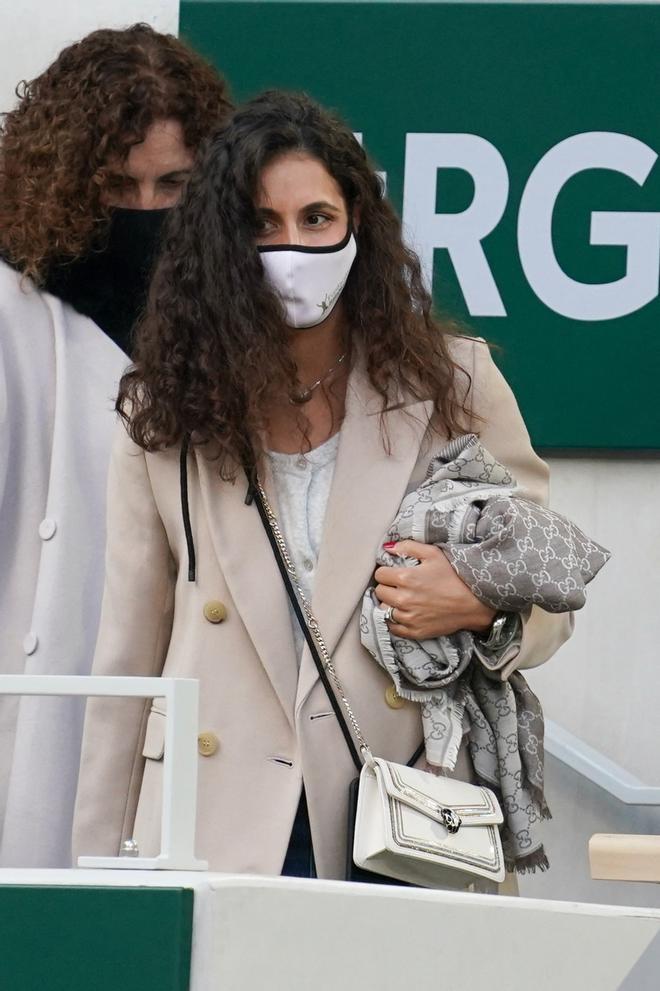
(264,226)
(172,183)
(115,181)
(317,220)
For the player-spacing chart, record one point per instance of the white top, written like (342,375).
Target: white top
(302,483)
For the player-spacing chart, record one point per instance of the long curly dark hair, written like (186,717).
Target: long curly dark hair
(92,104)
(212,351)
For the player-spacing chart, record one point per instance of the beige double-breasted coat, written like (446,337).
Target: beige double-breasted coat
(265,725)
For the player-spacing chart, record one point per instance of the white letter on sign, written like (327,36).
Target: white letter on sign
(460,233)
(639,232)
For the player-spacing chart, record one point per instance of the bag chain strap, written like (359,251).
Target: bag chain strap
(312,623)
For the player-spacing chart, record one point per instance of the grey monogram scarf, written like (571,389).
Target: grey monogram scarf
(512,554)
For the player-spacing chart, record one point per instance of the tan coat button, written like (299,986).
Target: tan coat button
(214,611)
(393,698)
(207,743)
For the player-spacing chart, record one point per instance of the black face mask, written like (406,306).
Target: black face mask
(110,284)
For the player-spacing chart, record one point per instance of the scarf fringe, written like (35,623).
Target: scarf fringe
(522,863)
(530,864)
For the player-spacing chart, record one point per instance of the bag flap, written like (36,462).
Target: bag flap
(432,795)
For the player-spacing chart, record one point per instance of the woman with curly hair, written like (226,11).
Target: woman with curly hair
(288,338)
(99,146)
(95,153)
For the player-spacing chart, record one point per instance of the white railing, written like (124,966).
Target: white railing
(595,766)
(177,849)
(180,759)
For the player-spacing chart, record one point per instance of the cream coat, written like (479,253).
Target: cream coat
(274,726)
(58,377)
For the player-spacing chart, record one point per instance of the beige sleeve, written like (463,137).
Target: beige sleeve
(134,633)
(502,431)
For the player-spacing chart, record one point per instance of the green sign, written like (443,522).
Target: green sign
(95,939)
(520,143)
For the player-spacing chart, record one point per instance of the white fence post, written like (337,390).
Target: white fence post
(179,813)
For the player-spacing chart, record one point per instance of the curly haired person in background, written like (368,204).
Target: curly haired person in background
(97,150)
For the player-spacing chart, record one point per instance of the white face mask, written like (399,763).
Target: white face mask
(308,281)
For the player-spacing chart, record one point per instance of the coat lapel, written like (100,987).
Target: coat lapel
(367,490)
(252,576)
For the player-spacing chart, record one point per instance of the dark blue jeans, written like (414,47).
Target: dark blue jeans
(299,860)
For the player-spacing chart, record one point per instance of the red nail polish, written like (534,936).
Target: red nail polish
(389,545)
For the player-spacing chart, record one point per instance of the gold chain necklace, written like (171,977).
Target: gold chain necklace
(300,398)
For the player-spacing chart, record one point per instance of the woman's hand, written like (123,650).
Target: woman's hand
(429,600)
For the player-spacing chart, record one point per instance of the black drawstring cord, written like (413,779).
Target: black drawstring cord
(185,505)
(185,508)
(249,467)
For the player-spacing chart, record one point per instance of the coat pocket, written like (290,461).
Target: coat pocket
(154,738)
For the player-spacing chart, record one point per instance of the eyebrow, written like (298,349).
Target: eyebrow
(175,174)
(308,208)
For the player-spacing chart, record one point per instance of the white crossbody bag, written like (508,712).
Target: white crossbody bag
(410,825)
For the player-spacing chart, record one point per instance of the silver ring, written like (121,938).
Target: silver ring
(389,615)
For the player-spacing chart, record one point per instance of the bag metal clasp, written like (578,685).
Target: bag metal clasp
(451,820)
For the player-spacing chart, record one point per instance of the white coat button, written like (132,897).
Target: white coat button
(308,565)
(302,461)
(30,643)
(47,528)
